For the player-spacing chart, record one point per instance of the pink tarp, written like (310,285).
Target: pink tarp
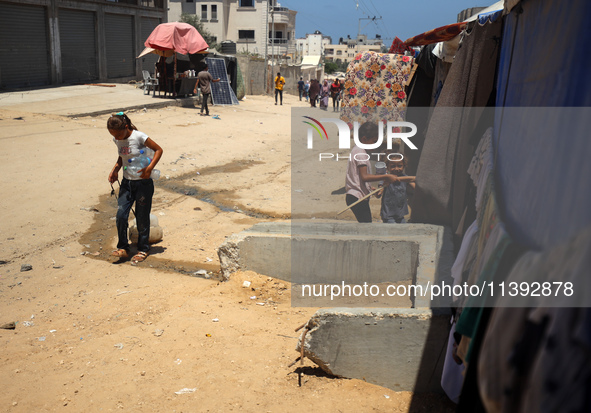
(180,37)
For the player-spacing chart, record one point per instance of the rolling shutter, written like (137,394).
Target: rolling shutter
(119,39)
(24,49)
(78,45)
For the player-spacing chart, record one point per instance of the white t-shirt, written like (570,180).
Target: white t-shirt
(130,147)
(353,183)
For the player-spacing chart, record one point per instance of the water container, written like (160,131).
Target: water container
(228,47)
(156,232)
(140,162)
(380,170)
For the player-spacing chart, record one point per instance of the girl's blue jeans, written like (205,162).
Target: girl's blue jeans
(140,192)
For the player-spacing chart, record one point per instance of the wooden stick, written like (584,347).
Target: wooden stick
(300,327)
(359,200)
(294,362)
(400,179)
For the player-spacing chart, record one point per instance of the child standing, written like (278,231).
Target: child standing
(394,195)
(140,189)
(359,174)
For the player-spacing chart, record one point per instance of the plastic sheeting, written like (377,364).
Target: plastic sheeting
(543,170)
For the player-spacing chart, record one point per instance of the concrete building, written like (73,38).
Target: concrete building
(51,42)
(312,45)
(256,26)
(346,49)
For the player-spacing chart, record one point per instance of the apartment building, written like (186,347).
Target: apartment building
(347,49)
(256,26)
(312,45)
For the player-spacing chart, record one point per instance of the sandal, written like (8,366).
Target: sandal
(120,253)
(139,257)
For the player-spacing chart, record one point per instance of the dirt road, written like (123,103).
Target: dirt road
(96,336)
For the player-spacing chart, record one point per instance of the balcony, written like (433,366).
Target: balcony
(280,15)
(281,46)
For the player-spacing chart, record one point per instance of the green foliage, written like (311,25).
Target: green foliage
(335,66)
(330,67)
(194,21)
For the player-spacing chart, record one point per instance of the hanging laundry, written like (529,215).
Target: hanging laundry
(399,47)
(374,88)
(440,34)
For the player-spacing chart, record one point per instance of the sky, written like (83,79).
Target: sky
(402,18)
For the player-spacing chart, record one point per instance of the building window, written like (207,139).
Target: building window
(204,12)
(339,52)
(246,3)
(214,12)
(246,35)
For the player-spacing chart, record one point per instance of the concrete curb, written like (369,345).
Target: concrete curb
(185,102)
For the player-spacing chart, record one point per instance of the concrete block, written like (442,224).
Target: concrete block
(332,252)
(401,349)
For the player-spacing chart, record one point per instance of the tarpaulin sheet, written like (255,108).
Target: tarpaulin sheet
(180,37)
(543,170)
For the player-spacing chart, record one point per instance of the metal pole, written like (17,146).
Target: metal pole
(266,48)
(273,40)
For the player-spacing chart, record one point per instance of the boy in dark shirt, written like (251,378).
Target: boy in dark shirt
(394,195)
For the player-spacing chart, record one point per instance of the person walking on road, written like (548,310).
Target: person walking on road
(301,87)
(204,79)
(279,82)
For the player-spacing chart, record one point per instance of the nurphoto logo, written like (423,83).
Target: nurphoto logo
(394,130)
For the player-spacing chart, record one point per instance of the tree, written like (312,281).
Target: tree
(330,67)
(194,21)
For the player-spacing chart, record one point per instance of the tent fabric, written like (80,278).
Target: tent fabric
(440,34)
(442,171)
(543,166)
(374,88)
(509,5)
(180,37)
(420,92)
(498,6)
(489,17)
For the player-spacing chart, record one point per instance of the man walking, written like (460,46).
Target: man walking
(279,82)
(203,81)
(301,87)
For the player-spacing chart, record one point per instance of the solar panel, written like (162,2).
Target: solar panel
(221,92)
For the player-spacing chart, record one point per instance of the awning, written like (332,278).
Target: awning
(311,61)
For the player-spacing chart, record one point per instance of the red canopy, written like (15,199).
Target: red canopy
(180,37)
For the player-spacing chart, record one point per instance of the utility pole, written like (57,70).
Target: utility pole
(273,40)
(266,37)
(374,18)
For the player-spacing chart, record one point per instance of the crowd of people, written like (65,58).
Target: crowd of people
(318,94)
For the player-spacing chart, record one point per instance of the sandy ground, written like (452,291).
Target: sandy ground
(92,335)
